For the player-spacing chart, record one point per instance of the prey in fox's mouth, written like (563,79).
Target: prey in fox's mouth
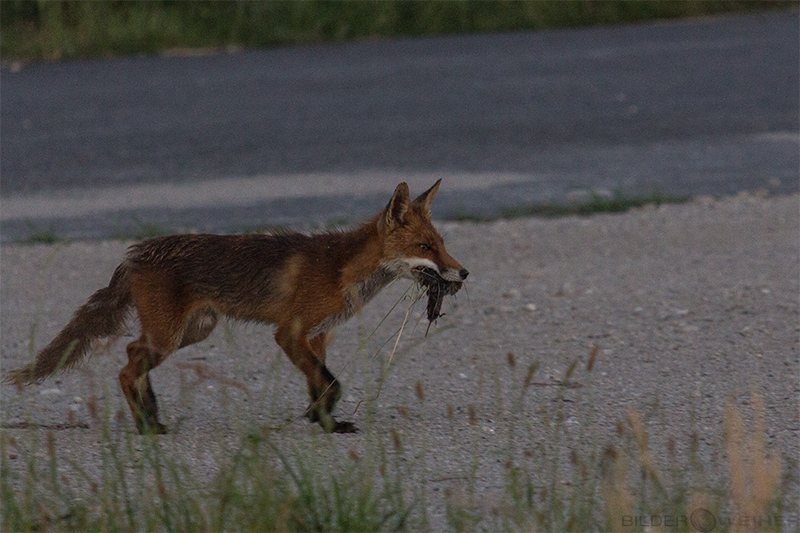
(436,289)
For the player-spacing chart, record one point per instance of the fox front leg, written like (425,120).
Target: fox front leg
(323,388)
(323,401)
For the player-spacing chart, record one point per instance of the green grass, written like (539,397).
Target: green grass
(617,202)
(264,483)
(42,236)
(72,29)
(338,223)
(462,215)
(266,228)
(150,230)
(596,204)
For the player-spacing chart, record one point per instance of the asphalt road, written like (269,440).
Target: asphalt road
(310,134)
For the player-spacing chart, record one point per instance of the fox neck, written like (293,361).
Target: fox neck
(366,273)
(362,276)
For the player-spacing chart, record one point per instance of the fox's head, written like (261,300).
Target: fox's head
(411,243)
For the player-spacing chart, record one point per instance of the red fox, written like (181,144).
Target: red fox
(304,284)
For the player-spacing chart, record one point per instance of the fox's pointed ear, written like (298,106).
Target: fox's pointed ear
(395,212)
(426,199)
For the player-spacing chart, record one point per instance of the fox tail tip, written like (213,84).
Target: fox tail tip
(20,377)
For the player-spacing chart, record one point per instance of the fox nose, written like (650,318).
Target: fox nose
(463,273)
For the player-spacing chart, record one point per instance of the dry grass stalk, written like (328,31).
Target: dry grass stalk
(592,357)
(512,362)
(754,475)
(419,392)
(473,419)
(614,489)
(645,458)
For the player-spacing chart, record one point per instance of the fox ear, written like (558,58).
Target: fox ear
(395,212)
(426,199)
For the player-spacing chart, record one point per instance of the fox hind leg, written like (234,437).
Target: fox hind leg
(318,346)
(146,354)
(167,323)
(136,385)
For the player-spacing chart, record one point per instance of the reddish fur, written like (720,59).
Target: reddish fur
(180,285)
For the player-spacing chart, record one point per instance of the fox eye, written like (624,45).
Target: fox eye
(425,248)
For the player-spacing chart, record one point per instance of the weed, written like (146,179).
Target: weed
(617,202)
(755,476)
(74,29)
(262,482)
(462,215)
(44,236)
(149,230)
(265,229)
(337,223)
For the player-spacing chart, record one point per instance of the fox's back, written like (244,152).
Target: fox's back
(232,271)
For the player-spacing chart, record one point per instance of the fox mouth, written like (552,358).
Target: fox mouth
(430,278)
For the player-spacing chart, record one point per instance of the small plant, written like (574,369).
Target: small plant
(462,215)
(265,229)
(45,236)
(263,482)
(72,29)
(338,223)
(755,475)
(596,204)
(149,230)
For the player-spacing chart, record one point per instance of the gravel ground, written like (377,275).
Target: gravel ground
(690,306)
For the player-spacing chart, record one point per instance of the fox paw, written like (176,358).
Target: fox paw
(153,428)
(345,427)
(330,425)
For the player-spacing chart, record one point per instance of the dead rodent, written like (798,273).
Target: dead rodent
(437,288)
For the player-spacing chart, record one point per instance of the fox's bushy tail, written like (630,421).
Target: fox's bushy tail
(103,315)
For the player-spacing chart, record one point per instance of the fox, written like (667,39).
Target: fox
(180,286)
